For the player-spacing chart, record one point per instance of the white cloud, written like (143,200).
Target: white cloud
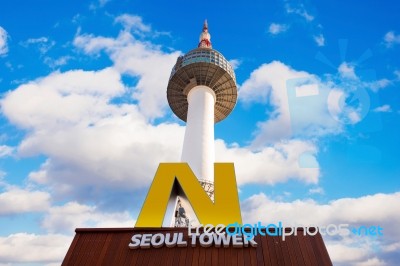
(275,28)
(346,70)
(16,200)
(316,190)
(371,210)
(270,165)
(299,10)
(299,99)
(235,63)
(3,41)
(375,86)
(137,59)
(43,44)
(372,262)
(89,141)
(54,63)
(397,74)
(98,4)
(103,2)
(134,23)
(6,150)
(383,109)
(37,40)
(319,40)
(59,99)
(64,219)
(391,39)
(2,175)
(41,249)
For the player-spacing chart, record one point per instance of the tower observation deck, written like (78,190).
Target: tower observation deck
(201,91)
(202,66)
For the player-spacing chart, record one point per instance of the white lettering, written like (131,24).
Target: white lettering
(135,241)
(145,243)
(157,240)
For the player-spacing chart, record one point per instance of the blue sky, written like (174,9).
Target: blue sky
(84,118)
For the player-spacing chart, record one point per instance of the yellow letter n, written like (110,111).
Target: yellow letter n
(224,210)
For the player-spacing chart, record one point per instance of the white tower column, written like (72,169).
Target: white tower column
(198,145)
(201,91)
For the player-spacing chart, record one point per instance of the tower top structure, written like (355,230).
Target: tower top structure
(202,66)
(205,37)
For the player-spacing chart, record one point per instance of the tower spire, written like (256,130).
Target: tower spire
(204,41)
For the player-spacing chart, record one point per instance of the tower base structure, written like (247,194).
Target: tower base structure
(110,246)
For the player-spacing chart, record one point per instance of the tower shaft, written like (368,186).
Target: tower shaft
(201,91)
(198,146)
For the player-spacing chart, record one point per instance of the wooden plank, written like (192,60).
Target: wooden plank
(303,248)
(214,256)
(272,251)
(202,256)
(96,244)
(297,250)
(246,255)
(227,255)
(189,255)
(253,256)
(240,257)
(259,251)
(262,241)
(310,250)
(278,250)
(182,255)
(123,248)
(292,252)
(234,257)
(195,257)
(320,250)
(109,250)
(71,249)
(140,253)
(285,251)
(221,256)
(81,260)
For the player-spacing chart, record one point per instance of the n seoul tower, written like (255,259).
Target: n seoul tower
(201,91)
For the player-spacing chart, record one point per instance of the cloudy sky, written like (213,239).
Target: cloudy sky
(84,120)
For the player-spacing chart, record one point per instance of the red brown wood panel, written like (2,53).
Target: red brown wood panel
(285,251)
(189,255)
(234,258)
(121,257)
(266,253)
(299,255)
(303,248)
(110,247)
(246,256)
(310,251)
(271,250)
(214,257)
(240,258)
(73,245)
(292,253)
(278,250)
(182,256)
(259,252)
(320,250)
(227,254)
(253,256)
